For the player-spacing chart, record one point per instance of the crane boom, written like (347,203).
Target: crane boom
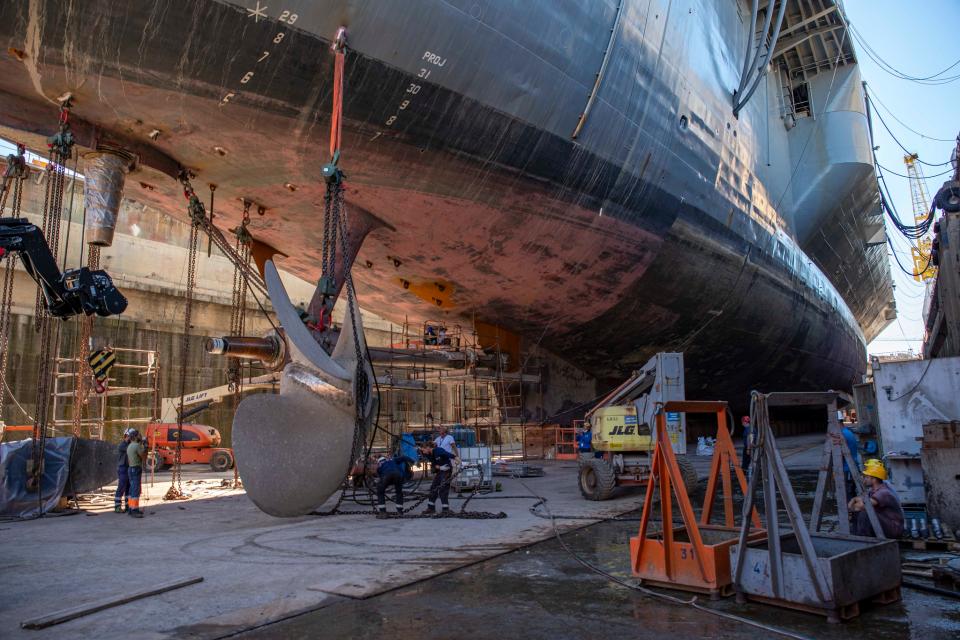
(200,400)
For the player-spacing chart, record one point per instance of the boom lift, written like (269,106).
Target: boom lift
(617,449)
(200,443)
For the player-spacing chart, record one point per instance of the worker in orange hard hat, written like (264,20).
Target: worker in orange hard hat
(884,500)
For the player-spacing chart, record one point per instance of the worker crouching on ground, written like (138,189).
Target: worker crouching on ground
(442,462)
(136,454)
(123,476)
(392,472)
(884,500)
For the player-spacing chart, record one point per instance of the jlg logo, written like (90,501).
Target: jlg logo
(621,430)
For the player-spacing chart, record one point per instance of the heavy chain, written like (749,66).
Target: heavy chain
(334,212)
(81,390)
(242,249)
(462,514)
(61,149)
(13,179)
(6,302)
(238,312)
(197,217)
(362,382)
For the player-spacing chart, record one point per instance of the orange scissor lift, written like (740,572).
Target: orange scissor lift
(694,556)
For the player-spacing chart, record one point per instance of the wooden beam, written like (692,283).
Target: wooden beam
(64,615)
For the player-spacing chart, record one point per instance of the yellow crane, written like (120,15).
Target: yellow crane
(922,265)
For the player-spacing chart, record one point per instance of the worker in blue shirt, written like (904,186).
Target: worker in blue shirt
(585,443)
(393,471)
(442,462)
(853,444)
(123,476)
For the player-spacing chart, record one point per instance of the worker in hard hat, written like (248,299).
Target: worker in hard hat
(123,477)
(392,472)
(136,454)
(884,500)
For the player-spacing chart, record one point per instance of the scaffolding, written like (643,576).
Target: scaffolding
(135,373)
(471,388)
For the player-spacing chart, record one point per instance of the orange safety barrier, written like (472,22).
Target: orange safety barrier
(694,556)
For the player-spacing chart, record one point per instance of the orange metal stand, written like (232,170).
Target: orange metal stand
(694,556)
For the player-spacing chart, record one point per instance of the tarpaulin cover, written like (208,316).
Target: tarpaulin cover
(15,498)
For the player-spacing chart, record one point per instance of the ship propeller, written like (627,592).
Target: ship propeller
(294,449)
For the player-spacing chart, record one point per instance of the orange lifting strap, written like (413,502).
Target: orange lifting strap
(689,562)
(336,121)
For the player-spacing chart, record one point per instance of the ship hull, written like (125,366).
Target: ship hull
(636,236)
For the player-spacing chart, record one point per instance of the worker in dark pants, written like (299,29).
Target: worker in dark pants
(442,463)
(393,472)
(136,454)
(123,477)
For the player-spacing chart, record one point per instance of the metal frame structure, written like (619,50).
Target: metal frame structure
(143,364)
(818,578)
(698,561)
(449,375)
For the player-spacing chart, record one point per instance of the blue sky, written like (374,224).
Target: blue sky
(919,39)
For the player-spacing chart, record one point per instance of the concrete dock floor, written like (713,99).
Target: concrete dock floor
(355,576)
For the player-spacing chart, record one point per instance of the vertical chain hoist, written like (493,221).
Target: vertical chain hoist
(334,233)
(238,316)
(13,179)
(197,219)
(61,149)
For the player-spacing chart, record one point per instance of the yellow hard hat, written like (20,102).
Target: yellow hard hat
(875,468)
